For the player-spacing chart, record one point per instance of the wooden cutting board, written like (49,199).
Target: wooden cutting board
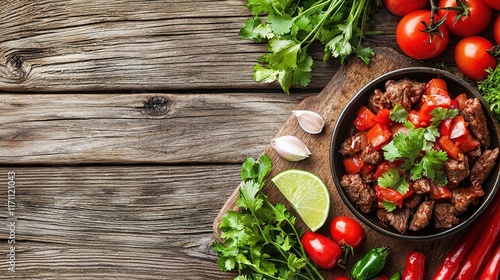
(329,103)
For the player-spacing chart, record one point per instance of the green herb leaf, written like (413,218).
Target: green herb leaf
(399,114)
(389,206)
(389,179)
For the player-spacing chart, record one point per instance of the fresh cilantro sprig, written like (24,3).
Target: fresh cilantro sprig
(260,240)
(290,27)
(415,149)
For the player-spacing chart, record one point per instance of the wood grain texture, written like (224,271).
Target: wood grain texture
(57,45)
(139,128)
(116,222)
(329,103)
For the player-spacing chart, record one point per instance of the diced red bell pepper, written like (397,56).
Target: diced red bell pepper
(386,166)
(445,127)
(458,127)
(439,192)
(461,99)
(353,164)
(383,117)
(389,195)
(431,102)
(367,168)
(436,86)
(378,135)
(408,193)
(414,118)
(449,146)
(365,119)
(466,143)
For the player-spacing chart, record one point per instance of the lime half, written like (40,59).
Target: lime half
(307,194)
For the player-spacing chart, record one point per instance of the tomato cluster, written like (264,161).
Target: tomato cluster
(327,252)
(425,33)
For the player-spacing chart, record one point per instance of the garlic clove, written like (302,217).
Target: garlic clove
(311,122)
(290,148)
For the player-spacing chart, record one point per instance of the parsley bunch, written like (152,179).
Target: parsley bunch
(260,240)
(490,89)
(414,149)
(291,26)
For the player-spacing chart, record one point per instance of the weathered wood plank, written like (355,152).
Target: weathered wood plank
(118,222)
(139,128)
(55,45)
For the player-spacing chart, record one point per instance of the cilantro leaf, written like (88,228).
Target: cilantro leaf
(280,24)
(389,179)
(399,114)
(440,114)
(388,206)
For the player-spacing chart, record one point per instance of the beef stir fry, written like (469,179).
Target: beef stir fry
(416,156)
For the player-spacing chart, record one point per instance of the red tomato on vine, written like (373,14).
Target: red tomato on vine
(465,17)
(419,37)
(495,4)
(472,57)
(496,29)
(404,7)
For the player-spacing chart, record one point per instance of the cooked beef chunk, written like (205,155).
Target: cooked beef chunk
(371,155)
(354,144)
(422,216)
(445,215)
(474,153)
(404,92)
(360,192)
(412,201)
(368,177)
(483,166)
(422,186)
(474,115)
(378,102)
(457,170)
(463,197)
(398,218)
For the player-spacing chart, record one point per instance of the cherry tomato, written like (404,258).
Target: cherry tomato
(347,231)
(404,7)
(322,250)
(472,58)
(417,43)
(476,20)
(341,278)
(495,4)
(496,29)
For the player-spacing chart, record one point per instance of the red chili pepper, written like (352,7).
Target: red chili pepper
(483,248)
(492,269)
(450,265)
(414,266)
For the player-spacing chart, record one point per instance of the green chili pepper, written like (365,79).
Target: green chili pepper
(395,276)
(370,265)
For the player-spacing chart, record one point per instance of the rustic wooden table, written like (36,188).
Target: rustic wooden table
(123,125)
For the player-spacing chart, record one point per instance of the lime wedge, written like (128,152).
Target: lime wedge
(307,194)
